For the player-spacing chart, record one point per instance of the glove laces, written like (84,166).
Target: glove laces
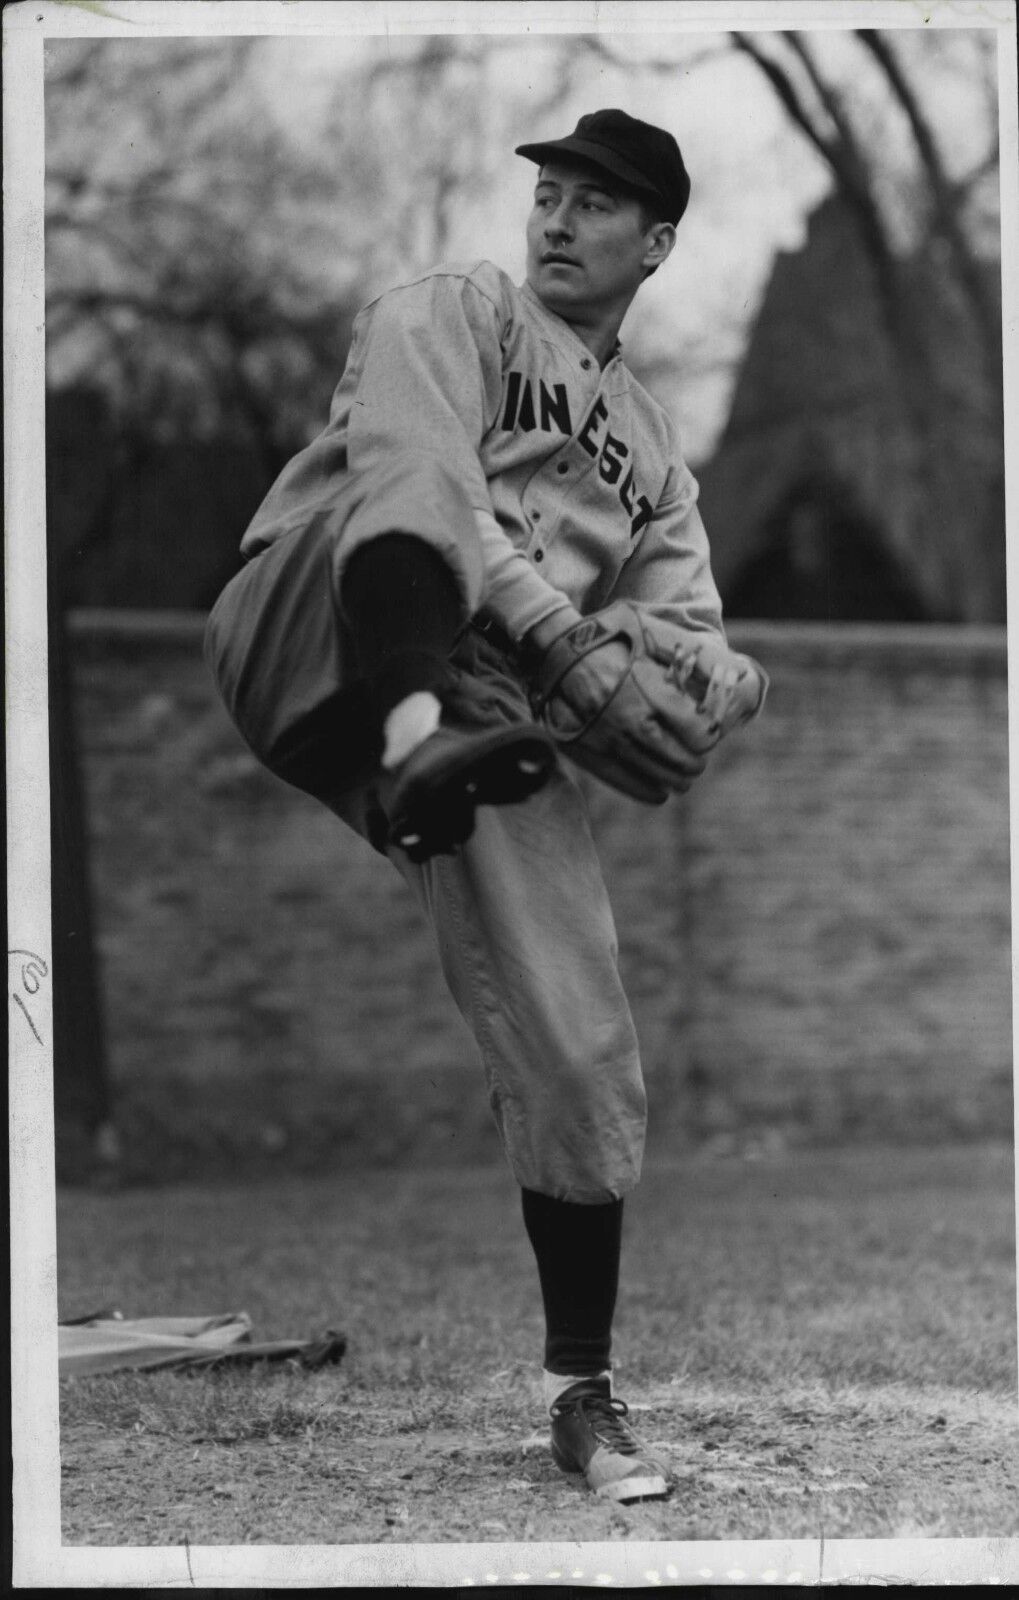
(686,674)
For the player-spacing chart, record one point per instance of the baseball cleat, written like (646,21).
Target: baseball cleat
(431,798)
(590,1434)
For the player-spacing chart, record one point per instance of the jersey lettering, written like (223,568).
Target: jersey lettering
(610,462)
(509,416)
(552,415)
(553,407)
(645,511)
(596,414)
(525,416)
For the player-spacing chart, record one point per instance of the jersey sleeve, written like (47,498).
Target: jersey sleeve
(426,373)
(422,377)
(670,571)
(515,594)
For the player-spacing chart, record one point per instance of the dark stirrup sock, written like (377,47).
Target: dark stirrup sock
(577,1249)
(403,609)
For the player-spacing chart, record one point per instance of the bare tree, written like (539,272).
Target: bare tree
(192,269)
(854,159)
(947,200)
(425,129)
(203,264)
(937,286)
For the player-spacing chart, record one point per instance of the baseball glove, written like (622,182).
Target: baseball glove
(639,701)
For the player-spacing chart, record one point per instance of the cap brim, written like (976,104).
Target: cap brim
(595,153)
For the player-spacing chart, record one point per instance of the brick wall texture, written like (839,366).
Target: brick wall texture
(816,940)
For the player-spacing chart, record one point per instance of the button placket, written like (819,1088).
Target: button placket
(535,551)
(562,476)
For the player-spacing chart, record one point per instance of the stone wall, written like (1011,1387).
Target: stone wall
(816,940)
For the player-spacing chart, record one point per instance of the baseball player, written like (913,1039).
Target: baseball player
(489,567)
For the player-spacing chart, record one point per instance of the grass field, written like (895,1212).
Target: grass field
(824,1343)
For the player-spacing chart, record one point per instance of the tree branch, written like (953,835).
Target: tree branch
(845,153)
(595,44)
(845,160)
(987,163)
(787,95)
(242,320)
(943,195)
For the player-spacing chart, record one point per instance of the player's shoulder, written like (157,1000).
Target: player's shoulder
(640,395)
(656,426)
(653,414)
(478,278)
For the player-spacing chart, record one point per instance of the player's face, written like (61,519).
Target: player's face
(587,251)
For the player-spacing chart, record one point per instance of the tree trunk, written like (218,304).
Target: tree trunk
(82,1100)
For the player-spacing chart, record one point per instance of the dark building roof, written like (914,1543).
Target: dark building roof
(903,485)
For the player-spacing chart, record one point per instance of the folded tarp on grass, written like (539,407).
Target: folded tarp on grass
(107,1342)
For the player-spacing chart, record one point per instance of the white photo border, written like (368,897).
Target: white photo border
(40,1560)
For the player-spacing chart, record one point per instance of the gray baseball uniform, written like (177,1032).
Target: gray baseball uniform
(475,418)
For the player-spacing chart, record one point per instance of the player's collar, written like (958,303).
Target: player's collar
(560,324)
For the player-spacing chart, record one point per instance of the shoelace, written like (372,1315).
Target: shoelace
(605,1415)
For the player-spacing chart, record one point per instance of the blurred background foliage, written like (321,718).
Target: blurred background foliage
(217,211)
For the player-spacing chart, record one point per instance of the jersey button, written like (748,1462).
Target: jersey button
(564,466)
(535,516)
(586,363)
(539,555)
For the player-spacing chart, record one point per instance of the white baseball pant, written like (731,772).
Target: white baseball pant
(520,914)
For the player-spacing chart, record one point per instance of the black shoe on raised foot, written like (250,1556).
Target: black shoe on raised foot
(590,1434)
(431,798)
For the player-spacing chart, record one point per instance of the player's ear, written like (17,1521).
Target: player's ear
(661,239)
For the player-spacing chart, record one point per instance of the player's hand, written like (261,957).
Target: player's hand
(639,700)
(734,687)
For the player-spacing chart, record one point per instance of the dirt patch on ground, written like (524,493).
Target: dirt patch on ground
(875,1465)
(820,1347)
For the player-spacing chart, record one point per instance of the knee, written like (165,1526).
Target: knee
(414,494)
(590,1145)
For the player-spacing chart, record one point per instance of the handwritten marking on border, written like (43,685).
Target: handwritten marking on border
(33,971)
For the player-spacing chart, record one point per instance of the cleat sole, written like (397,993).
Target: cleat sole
(436,812)
(626,1489)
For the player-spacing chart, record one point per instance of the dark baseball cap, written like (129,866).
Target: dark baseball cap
(638,154)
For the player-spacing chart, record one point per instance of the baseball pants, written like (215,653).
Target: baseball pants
(520,913)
